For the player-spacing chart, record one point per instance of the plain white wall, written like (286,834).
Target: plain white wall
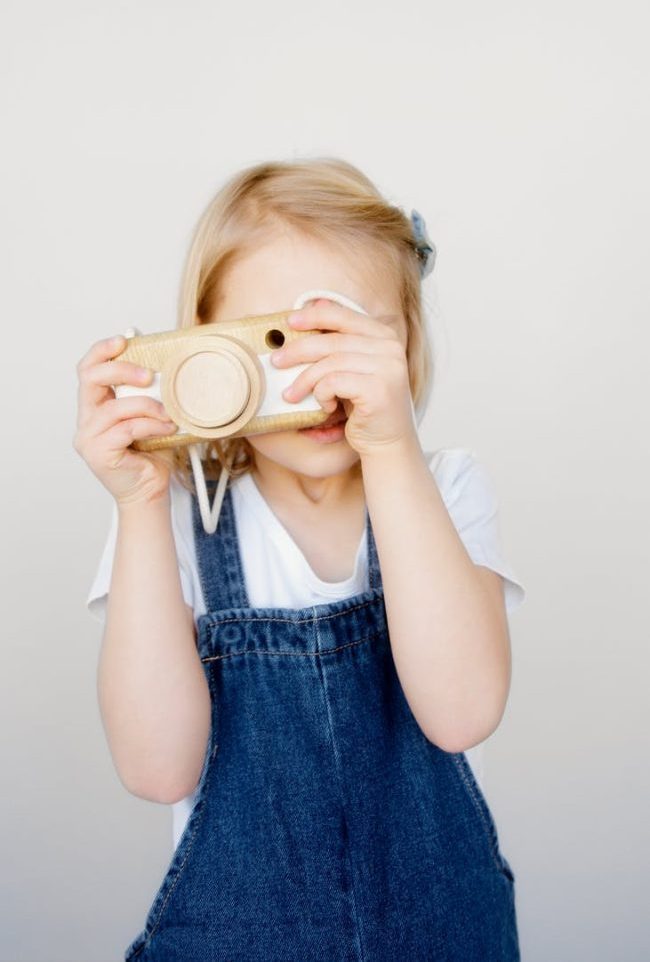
(520,131)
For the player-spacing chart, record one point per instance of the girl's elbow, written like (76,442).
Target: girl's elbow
(156,788)
(163,794)
(454,743)
(460,738)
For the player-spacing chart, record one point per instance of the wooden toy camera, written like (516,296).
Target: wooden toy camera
(217,380)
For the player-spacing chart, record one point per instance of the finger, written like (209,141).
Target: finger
(357,388)
(102,351)
(116,372)
(121,435)
(120,409)
(96,380)
(349,363)
(119,372)
(324,314)
(314,346)
(99,352)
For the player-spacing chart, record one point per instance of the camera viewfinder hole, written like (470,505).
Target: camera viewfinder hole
(274,338)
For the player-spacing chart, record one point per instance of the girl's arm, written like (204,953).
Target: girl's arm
(446,615)
(153,693)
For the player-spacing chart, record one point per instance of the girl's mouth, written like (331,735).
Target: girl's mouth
(336,417)
(332,429)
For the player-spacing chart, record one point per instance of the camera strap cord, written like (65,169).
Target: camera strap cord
(210,515)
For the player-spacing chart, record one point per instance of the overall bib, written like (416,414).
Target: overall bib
(325,826)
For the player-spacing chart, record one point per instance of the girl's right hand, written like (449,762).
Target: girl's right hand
(107,425)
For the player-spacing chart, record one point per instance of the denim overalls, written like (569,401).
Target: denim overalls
(326,826)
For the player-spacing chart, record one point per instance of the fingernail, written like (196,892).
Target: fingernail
(276,356)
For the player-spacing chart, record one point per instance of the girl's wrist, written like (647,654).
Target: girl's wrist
(405,447)
(145,506)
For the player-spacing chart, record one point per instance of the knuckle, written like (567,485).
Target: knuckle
(340,358)
(110,407)
(397,365)
(128,430)
(112,347)
(83,365)
(79,443)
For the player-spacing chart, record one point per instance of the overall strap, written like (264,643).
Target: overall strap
(218,558)
(374,573)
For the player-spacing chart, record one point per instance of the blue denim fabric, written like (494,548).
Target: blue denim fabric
(326,826)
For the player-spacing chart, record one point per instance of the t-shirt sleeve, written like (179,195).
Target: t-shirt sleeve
(471,500)
(97,598)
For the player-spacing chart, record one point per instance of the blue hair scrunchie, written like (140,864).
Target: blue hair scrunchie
(424,246)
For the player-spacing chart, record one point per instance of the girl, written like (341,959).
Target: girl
(303,684)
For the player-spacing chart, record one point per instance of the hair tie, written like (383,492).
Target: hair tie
(424,246)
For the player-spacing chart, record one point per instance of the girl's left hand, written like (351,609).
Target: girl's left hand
(363,363)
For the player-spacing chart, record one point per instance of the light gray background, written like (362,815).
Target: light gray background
(520,131)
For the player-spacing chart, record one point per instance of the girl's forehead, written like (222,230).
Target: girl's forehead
(273,274)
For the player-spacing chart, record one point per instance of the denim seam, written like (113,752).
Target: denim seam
(338,778)
(295,654)
(289,621)
(479,806)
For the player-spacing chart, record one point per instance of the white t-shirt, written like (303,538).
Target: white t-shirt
(277,573)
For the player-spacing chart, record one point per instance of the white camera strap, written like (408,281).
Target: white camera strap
(210,515)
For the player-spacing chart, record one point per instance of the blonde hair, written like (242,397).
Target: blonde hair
(326,198)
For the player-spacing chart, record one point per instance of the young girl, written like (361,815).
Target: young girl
(304,684)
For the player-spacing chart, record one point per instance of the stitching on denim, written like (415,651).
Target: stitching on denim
(290,621)
(479,806)
(337,770)
(295,654)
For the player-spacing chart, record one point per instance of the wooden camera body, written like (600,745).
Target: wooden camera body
(217,380)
